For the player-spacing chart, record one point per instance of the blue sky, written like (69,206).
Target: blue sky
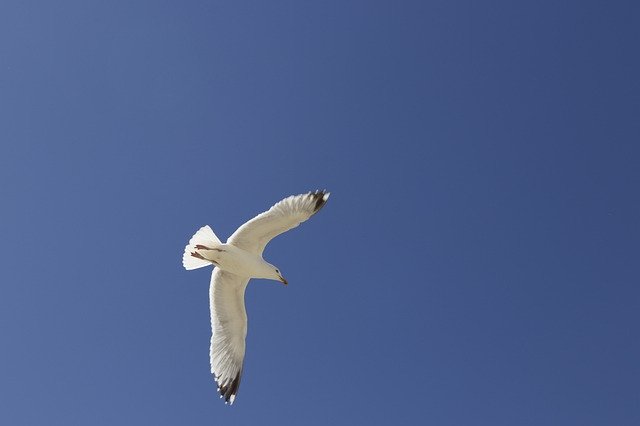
(477,263)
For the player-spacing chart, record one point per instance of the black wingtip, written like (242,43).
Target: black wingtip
(229,390)
(320,198)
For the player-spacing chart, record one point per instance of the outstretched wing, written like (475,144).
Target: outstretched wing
(229,329)
(254,235)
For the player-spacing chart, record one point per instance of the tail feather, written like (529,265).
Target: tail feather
(191,259)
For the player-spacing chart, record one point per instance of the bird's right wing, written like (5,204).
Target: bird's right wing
(229,330)
(254,235)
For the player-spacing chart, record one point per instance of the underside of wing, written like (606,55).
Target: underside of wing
(254,235)
(229,330)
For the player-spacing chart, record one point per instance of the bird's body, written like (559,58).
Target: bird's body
(240,262)
(236,262)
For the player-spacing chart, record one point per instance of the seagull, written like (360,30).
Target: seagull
(235,263)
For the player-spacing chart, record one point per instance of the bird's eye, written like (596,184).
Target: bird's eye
(277,271)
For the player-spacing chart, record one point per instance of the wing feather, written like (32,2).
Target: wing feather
(254,235)
(229,330)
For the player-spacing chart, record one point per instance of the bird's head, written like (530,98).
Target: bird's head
(278,276)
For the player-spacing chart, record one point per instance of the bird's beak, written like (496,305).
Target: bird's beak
(283,280)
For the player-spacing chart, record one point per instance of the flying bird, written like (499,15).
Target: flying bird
(235,263)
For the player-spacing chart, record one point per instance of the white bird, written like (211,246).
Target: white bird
(235,263)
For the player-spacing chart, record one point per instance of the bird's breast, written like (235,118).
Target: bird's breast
(235,260)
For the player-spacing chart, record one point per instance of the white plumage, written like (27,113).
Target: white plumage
(236,262)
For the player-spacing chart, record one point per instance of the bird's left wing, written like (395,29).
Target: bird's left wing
(229,330)
(254,235)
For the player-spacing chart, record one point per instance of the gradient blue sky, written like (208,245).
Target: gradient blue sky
(477,263)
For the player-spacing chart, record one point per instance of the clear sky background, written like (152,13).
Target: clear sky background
(476,264)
